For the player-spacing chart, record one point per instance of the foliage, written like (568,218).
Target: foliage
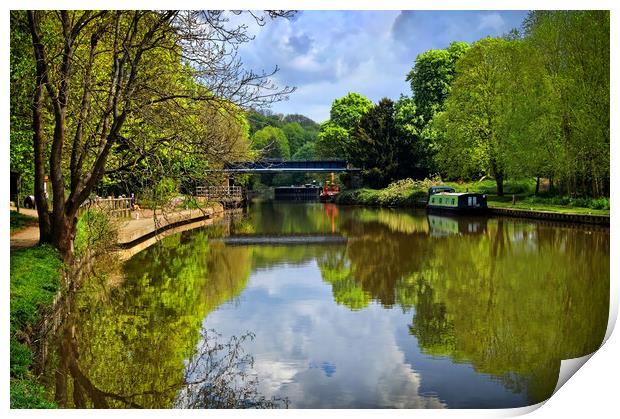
(402,193)
(22,89)
(306,152)
(271,142)
(474,132)
(331,141)
(345,114)
(431,77)
(259,119)
(375,143)
(96,234)
(574,50)
(297,136)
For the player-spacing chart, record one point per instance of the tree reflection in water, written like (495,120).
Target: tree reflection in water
(220,376)
(509,298)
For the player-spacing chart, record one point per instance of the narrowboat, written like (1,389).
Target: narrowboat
(465,202)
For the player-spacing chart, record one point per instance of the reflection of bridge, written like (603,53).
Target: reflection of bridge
(284,239)
(290,166)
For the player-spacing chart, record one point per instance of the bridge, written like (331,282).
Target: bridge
(289,166)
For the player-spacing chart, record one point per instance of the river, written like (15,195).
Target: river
(320,306)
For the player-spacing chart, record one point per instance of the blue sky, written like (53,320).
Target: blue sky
(327,54)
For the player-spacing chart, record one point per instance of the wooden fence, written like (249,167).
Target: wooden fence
(113,207)
(220,193)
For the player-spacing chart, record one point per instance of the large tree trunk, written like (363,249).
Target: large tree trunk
(499,180)
(499,177)
(45,225)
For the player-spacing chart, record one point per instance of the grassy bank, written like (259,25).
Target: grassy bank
(35,279)
(20,221)
(403,193)
(408,193)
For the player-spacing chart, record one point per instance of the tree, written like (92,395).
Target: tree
(345,115)
(99,72)
(473,124)
(295,135)
(431,77)
(22,89)
(414,154)
(271,143)
(574,52)
(331,141)
(375,144)
(306,152)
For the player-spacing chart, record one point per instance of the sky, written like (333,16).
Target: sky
(326,54)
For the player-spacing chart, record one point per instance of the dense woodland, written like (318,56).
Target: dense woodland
(145,102)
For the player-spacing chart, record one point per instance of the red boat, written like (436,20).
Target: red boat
(330,190)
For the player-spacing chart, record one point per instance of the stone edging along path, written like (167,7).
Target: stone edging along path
(136,230)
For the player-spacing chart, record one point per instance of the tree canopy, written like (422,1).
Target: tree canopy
(271,142)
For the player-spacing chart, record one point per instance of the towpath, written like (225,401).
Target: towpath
(142,223)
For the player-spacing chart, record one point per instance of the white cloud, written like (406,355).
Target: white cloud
(326,54)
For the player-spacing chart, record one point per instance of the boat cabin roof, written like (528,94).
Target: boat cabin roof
(458,193)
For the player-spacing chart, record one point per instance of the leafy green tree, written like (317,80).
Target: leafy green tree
(574,52)
(345,115)
(473,124)
(295,135)
(271,142)
(306,152)
(261,119)
(347,111)
(22,89)
(431,77)
(374,144)
(331,141)
(414,154)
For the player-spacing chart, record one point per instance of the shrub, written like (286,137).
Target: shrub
(95,232)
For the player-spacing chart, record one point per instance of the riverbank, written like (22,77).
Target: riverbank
(35,279)
(518,200)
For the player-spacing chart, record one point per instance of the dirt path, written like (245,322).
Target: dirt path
(28,236)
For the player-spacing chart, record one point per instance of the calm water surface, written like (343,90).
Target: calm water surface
(321,306)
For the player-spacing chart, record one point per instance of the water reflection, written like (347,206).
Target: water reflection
(409,311)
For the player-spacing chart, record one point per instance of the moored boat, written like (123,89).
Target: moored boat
(464,202)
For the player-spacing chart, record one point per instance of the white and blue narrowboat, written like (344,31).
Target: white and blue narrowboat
(446,200)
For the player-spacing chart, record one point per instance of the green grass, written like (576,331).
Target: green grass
(408,193)
(523,191)
(35,279)
(19,221)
